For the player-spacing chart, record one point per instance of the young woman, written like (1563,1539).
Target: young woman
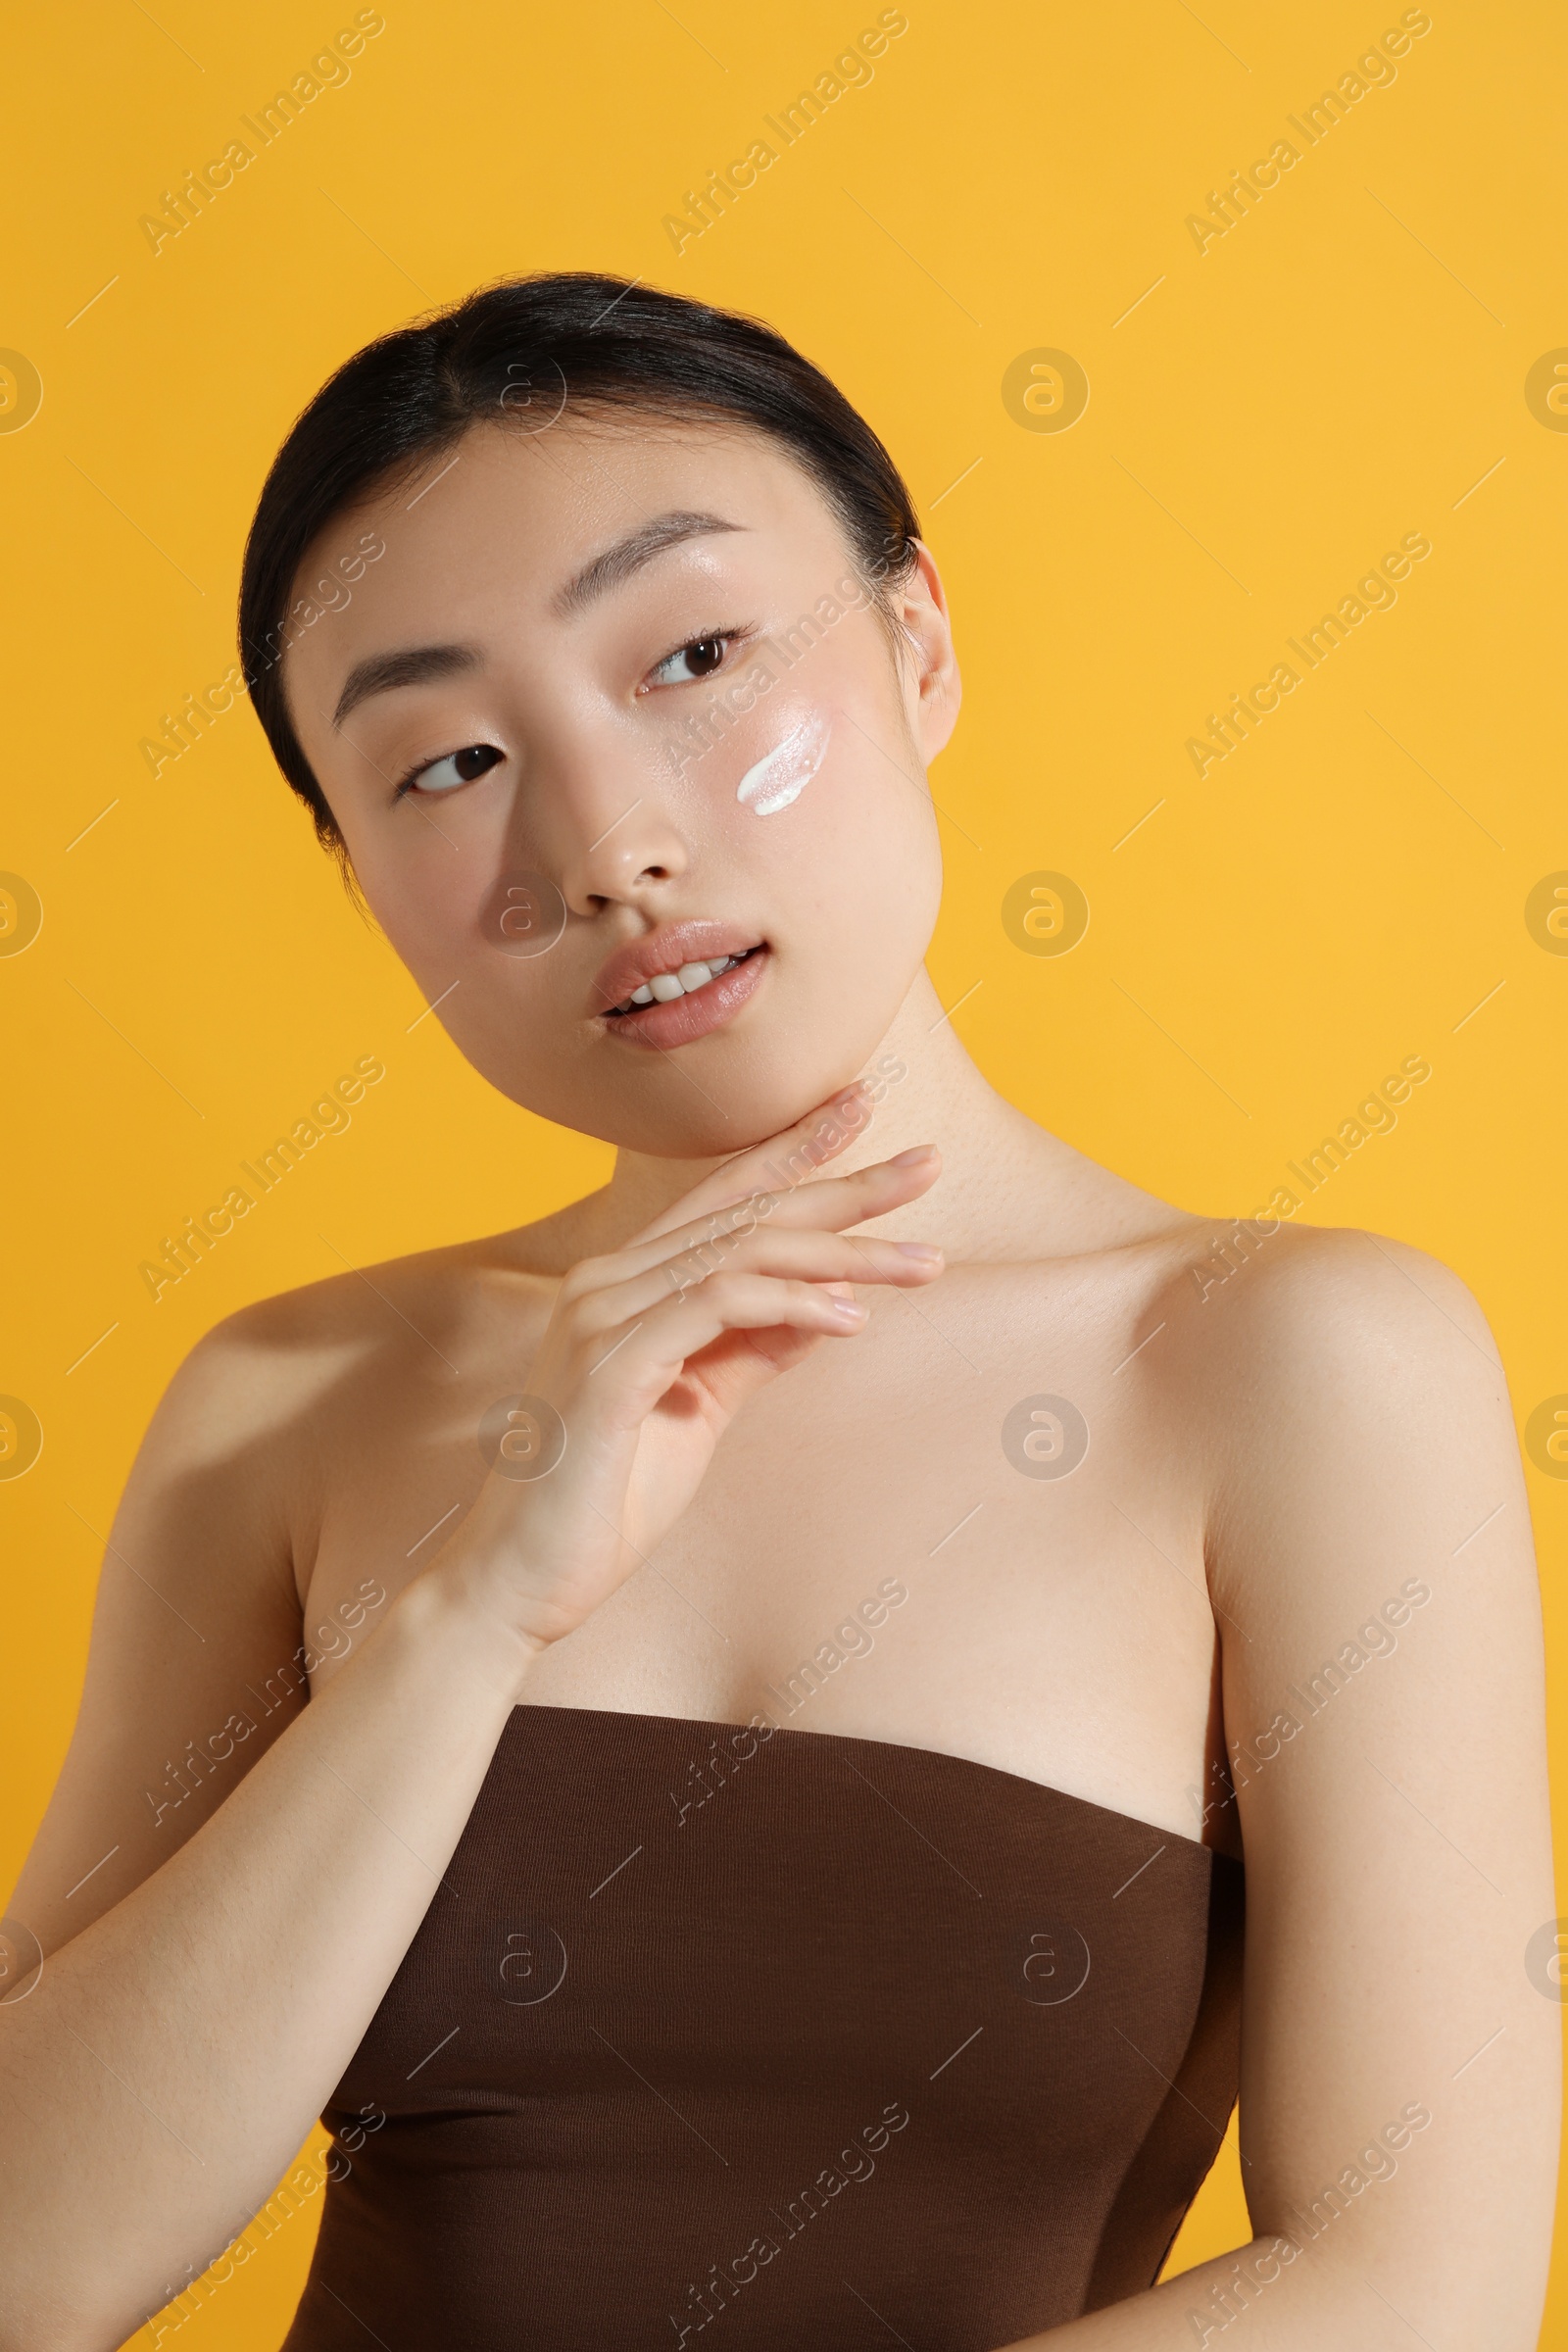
(800,1642)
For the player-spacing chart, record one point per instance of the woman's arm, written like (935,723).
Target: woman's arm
(168,2063)
(1370,1553)
(206,1985)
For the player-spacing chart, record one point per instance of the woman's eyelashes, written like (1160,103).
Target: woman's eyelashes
(697,658)
(701,657)
(446,774)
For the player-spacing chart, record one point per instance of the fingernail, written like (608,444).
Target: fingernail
(850,1309)
(921,1252)
(907,1160)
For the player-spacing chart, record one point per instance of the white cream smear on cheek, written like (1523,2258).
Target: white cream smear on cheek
(783,773)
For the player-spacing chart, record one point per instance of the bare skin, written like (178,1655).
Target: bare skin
(1271,1459)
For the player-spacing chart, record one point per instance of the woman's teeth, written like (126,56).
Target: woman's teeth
(666,987)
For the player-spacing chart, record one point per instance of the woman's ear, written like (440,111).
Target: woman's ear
(933,685)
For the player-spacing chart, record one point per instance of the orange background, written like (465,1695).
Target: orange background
(1266,416)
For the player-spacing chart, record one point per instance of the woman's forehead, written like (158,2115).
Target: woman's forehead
(501,526)
(588,470)
(500,512)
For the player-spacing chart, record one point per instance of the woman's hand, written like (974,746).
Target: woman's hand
(650,1354)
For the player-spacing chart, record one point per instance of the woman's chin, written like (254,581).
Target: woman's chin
(667,1114)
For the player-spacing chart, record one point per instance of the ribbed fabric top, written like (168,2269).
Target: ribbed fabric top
(810,2040)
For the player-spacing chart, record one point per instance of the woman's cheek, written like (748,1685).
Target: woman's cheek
(777,779)
(804,770)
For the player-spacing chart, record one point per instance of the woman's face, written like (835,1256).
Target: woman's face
(614,704)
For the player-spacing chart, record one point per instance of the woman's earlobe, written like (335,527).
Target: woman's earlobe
(937,707)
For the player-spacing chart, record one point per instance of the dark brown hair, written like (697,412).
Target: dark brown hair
(518,352)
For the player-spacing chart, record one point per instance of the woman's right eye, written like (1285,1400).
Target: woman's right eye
(458,767)
(701,655)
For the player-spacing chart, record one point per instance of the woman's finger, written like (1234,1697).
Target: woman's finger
(653,1354)
(778,1164)
(828,1204)
(807,1255)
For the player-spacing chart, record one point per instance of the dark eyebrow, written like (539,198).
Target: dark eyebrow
(630,554)
(416,666)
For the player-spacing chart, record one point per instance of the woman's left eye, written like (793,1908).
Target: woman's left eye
(702,656)
(458,767)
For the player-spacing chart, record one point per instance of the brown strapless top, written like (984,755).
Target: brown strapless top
(822,2041)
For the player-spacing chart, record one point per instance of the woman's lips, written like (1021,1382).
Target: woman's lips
(686,1018)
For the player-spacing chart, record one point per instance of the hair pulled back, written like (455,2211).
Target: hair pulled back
(528,353)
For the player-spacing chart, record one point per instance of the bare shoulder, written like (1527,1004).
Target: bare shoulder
(1317,1320)
(1349,1402)
(317,1370)
(196,1660)
(295,1354)
(352,1306)
(1277,1278)
(254,1388)
(1327,1318)
(1368,1550)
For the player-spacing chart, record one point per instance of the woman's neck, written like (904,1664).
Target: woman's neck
(1007,1189)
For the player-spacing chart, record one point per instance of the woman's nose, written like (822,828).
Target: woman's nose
(615,834)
